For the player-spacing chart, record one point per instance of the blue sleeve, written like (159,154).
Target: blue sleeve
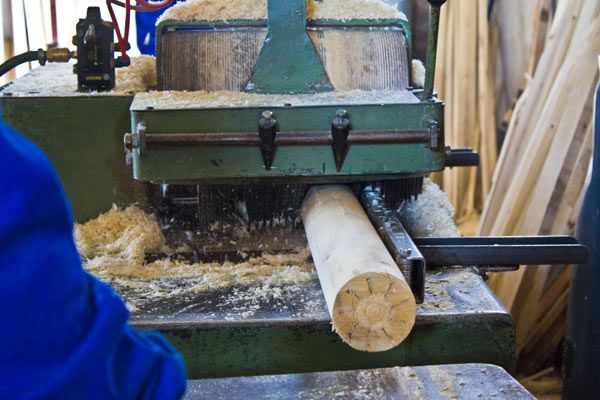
(145,23)
(63,333)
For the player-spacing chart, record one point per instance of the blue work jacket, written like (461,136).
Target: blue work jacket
(63,333)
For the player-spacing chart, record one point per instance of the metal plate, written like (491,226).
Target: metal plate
(466,381)
(222,333)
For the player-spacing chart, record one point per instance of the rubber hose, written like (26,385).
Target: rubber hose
(37,55)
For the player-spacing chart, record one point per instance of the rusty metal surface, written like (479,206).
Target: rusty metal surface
(464,381)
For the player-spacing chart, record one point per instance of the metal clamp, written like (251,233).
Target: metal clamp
(267,130)
(131,141)
(434,132)
(396,239)
(340,129)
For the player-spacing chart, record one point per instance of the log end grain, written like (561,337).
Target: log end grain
(374,312)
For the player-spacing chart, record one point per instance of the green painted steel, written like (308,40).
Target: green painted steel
(242,349)
(83,136)
(187,164)
(288,61)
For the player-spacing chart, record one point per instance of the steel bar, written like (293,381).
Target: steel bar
(464,157)
(502,251)
(323,138)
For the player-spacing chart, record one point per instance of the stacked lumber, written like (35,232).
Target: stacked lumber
(519,33)
(541,172)
(464,79)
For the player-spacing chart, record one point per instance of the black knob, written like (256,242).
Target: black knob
(436,3)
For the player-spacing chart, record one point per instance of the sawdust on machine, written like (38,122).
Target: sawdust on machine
(58,80)
(223,10)
(430,215)
(114,247)
(177,100)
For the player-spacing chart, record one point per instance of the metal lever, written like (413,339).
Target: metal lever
(340,128)
(432,40)
(463,157)
(267,129)
(402,248)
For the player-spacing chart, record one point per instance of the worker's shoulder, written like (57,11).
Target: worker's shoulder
(19,155)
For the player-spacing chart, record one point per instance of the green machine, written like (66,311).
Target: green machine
(249,114)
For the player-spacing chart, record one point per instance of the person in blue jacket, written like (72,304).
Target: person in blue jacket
(145,23)
(63,333)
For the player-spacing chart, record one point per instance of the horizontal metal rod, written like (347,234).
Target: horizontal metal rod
(498,240)
(534,250)
(464,157)
(322,138)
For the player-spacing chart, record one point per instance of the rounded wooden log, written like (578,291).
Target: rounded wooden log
(370,303)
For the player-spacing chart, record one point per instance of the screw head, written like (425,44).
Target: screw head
(341,113)
(267,114)
(127,141)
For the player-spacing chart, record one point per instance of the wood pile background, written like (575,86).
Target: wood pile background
(525,74)
(542,168)
(465,80)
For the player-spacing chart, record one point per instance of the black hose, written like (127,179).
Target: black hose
(38,55)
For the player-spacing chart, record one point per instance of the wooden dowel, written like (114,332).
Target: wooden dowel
(370,303)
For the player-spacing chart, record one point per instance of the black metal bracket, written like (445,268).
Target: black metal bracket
(464,157)
(267,130)
(496,253)
(487,254)
(396,239)
(340,128)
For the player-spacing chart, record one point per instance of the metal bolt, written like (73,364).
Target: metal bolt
(342,113)
(267,114)
(127,141)
(131,141)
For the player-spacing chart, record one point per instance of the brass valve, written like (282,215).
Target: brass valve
(59,54)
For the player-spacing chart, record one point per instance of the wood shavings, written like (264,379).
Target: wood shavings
(418,74)
(58,80)
(175,100)
(140,76)
(222,10)
(127,233)
(114,246)
(430,215)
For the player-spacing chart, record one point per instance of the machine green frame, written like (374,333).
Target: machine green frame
(232,164)
(180,164)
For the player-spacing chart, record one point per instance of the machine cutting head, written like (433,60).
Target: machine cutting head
(256,111)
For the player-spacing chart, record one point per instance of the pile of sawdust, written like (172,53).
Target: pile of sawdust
(113,247)
(222,10)
(127,233)
(140,76)
(174,100)
(418,74)
(430,215)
